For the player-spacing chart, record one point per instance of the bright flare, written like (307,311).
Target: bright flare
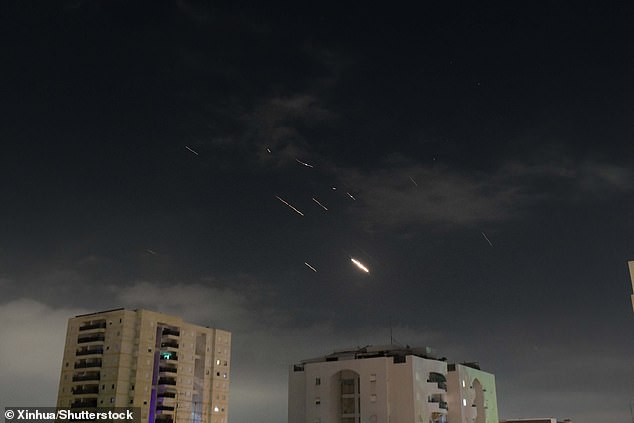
(359,265)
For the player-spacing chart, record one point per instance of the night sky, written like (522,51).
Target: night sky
(477,158)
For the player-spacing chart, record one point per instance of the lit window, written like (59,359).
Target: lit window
(464,402)
(218,362)
(463,384)
(216,409)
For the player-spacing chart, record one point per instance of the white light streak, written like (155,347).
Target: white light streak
(359,265)
(322,206)
(151,252)
(268,150)
(310,267)
(285,202)
(412,179)
(351,196)
(192,151)
(485,237)
(303,163)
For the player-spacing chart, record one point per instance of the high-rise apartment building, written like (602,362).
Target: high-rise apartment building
(389,384)
(174,371)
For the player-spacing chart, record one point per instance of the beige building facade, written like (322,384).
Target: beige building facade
(174,371)
(383,384)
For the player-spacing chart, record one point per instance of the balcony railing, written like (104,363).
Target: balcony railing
(86,364)
(84,403)
(91,338)
(89,351)
(167,369)
(86,389)
(91,376)
(95,325)
(165,408)
(164,418)
(167,381)
(443,404)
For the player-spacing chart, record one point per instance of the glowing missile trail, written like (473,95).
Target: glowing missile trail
(303,163)
(268,150)
(485,237)
(192,151)
(412,179)
(311,267)
(359,265)
(283,201)
(322,206)
(351,196)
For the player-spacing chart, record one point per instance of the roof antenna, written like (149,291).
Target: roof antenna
(391,337)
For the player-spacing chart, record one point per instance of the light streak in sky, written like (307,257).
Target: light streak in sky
(192,151)
(269,150)
(303,163)
(151,252)
(485,237)
(285,202)
(351,196)
(412,179)
(322,206)
(310,267)
(359,265)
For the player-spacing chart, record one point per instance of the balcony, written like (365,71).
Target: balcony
(85,389)
(165,408)
(84,403)
(167,369)
(443,405)
(89,351)
(164,418)
(85,364)
(439,379)
(169,343)
(166,394)
(168,355)
(167,381)
(172,332)
(86,376)
(93,325)
(97,337)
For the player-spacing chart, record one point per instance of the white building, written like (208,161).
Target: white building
(388,384)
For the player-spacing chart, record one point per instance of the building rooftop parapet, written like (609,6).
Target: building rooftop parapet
(399,353)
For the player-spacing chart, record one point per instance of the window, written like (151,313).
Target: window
(217,362)
(132,387)
(317,381)
(464,402)
(463,384)
(216,409)
(111,400)
(373,398)
(373,377)
(317,401)
(131,401)
(113,386)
